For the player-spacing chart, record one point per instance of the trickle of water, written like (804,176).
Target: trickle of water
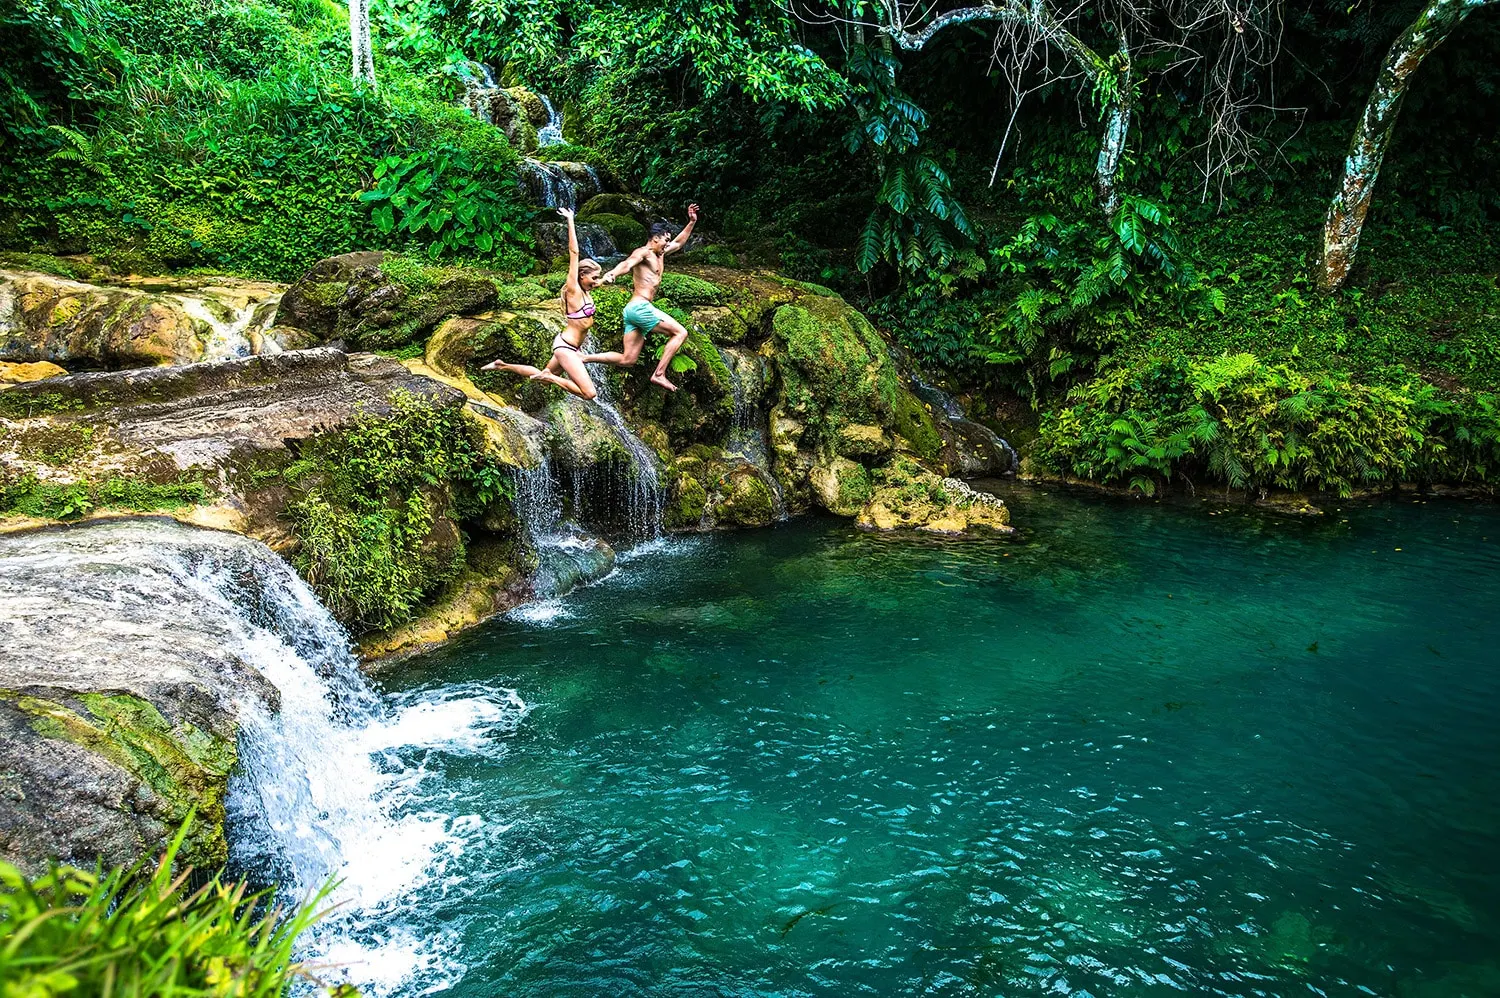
(550,134)
(229,338)
(936,397)
(322,786)
(749,435)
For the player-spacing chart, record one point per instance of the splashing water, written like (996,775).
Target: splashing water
(324,785)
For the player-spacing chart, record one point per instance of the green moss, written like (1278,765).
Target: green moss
(746,502)
(44,263)
(374,508)
(616,204)
(526,292)
(685,289)
(712,255)
(835,367)
(55,445)
(27,496)
(626,232)
(25,403)
(911,419)
(855,488)
(688,502)
(326,294)
(185,767)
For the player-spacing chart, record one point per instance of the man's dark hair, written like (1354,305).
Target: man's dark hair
(663,229)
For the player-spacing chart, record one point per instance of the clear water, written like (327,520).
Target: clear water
(1145,750)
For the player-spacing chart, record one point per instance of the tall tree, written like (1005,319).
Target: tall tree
(1372,133)
(359,42)
(1237,39)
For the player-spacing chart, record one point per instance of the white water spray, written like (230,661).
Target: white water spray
(323,785)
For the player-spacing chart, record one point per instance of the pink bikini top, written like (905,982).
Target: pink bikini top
(585,311)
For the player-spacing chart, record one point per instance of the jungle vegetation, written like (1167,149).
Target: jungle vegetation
(1171,241)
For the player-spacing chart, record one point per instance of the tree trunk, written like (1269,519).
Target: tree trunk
(1111,148)
(359,42)
(1372,135)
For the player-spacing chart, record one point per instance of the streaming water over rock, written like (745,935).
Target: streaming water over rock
(232,329)
(550,134)
(567,555)
(749,436)
(326,767)
(987,452)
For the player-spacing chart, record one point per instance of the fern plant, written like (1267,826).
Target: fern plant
(77,148)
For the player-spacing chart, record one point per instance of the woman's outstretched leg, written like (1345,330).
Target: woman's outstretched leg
(537,374)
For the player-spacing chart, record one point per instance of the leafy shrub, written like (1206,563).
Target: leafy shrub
(1248,424)
(368,503)
(141,931)
(445,194)
(27,496)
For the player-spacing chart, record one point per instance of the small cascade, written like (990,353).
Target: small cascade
(1004,460)
(749,435)
(322,782)
(233,329)
(644,495)
(480,90)
(550,134)
(567,556)
(560,184)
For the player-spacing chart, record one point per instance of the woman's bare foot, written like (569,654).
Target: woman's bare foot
(660,378)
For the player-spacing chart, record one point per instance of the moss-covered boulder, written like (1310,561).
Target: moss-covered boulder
(642,210)
(744,496)
(834,367)
(579,438)
(530,104)
(625,232)
(375,302)
(840,485)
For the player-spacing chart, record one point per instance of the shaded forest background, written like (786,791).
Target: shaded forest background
(1182,337)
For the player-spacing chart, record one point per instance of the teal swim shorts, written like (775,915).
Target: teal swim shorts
(642,317)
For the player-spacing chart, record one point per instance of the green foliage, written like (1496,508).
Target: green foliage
(1237,420)
(463,207)
(27,496)
(142,931)
(374,505)
(918,224)
(205,133)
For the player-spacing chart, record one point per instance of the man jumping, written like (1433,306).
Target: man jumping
(641,316)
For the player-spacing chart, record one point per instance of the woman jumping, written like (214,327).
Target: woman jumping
(583,276)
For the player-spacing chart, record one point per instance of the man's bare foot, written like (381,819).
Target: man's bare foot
(660,378)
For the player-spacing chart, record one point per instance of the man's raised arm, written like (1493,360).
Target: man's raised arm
(623,266)
(685,234)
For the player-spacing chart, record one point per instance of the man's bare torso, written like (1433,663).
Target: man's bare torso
(646,275)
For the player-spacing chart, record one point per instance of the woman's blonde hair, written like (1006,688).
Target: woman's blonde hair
(590,265)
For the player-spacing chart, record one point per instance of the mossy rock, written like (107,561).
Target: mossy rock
(722,324)
(743,498)
(913,422)
(185,769)
(628,205)
(402,320)
(906,496)
(835,368)
(840,485)
(688,500)
(713,255)
(689,291)
(525,292)
(530,104)
(625,231)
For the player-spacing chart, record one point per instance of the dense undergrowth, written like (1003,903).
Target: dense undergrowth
(174,134)
(378,508)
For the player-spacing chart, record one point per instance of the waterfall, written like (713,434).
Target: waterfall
(560,184)
(238,334)
(749,435)
(550,134)
(322,782)
(1004,460)
(566,555)
(359,42)
(644,495)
